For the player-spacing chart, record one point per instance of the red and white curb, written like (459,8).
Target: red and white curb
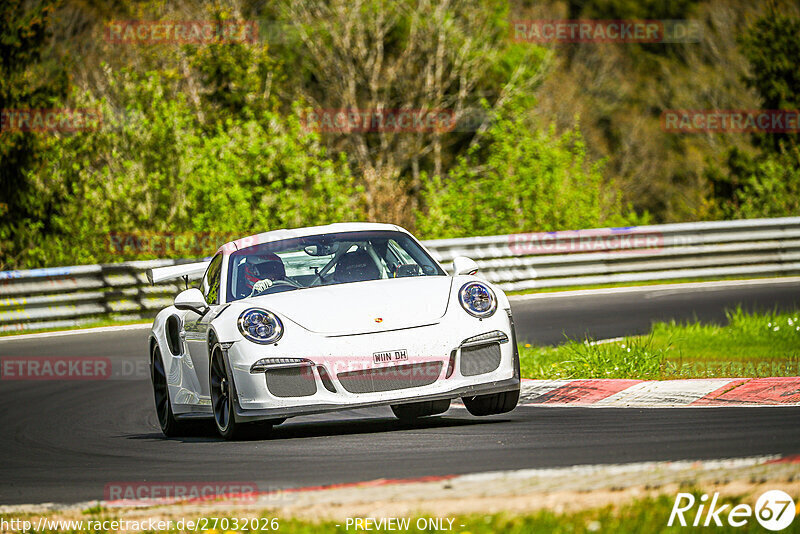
(577,477)
(778,391)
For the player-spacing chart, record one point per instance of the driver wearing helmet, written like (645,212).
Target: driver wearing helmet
(261,271)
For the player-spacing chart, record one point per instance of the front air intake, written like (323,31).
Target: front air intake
(291,382)
(390,378)
(480,359)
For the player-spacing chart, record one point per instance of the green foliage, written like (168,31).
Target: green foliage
(636,10)
(765,181)
(32,76)
(629,9)
(765,185)
(234,78)
(772,46)
(206,138)
(153,168)
(519,178)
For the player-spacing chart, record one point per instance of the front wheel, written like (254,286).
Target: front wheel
(415,410)
(223,396)
(492,404)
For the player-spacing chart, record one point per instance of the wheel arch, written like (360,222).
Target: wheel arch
(152,344)
(212,340)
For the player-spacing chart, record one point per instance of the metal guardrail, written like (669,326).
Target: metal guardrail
(752,247)
(70,296)
(66,296)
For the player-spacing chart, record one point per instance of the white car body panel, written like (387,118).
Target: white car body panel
(339,328)
(352,308)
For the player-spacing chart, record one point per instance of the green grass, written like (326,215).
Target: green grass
(644,515)
(748,346)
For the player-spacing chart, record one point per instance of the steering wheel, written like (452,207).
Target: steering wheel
(289,283)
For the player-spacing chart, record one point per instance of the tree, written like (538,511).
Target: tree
(772,46)
(32,76)
(410,54)
(155,169)
(765,181)
(520,178)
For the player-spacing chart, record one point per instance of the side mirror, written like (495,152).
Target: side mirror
(192,300)
(464,265)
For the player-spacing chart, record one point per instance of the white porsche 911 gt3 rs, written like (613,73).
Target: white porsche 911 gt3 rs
(298,322)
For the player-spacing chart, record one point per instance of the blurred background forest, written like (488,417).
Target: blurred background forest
(209,138)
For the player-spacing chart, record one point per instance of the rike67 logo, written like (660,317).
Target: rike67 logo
(774,510)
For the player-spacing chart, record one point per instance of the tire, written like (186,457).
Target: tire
(492,404)
(223,395)
(170,426)
(415,410)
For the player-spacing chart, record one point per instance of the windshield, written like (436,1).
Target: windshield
(326,259)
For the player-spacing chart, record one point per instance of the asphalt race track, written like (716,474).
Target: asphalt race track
(64,441)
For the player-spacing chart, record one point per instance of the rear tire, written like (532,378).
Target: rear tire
(492,404)
(170,426)
(415,410)
(223,395)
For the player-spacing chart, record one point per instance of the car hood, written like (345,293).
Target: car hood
(363,307)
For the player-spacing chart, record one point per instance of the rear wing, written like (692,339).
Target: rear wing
(185,270)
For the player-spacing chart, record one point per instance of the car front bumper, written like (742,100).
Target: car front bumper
(243,415)
(436,351)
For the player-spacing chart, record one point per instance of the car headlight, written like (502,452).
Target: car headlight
(260,326)
(477,299)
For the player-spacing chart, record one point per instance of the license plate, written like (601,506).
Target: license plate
(390,356)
